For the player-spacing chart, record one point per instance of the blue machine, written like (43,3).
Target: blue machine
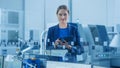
(40,61)
(36,63)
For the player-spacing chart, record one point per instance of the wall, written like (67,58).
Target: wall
(12,4)
(105,12)
(113,12)
(34,16)
(90,11)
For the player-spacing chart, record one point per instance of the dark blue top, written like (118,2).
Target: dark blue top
(53,35)
(63,32)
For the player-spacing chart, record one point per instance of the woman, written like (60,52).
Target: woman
(64,35)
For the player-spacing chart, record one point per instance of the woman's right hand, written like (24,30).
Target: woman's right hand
(57,42)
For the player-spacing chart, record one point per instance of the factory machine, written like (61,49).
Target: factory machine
(115,60)
(8,48)
(94,39)
(98,49)
(98,43)
(13,54)
(103,52)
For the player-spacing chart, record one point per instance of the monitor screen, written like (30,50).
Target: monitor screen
(102,33)
(94,33)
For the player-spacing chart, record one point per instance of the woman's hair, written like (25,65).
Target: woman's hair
(62,7)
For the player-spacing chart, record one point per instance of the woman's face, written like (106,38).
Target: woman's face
(62,16)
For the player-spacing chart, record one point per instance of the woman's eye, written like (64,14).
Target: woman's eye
(65,14)
(60,14)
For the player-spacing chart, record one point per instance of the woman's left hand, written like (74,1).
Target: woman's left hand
(65,43)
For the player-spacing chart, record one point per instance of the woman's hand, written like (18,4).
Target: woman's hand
(62,43)
(57,42)
(65,43)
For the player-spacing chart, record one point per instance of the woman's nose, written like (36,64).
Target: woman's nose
(63,16)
